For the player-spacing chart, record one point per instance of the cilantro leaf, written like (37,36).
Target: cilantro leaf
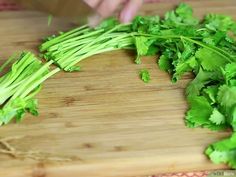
(232,117)
(217,117)
(216,22)
(210,93)
(227,96)
(199,113)
(183,15)
(183,67)
(186,13)
(108,24)
(142,45)
(223,151)
(229,72)
(165,63)
(210,61)
(17,108)
(144,75)
(200,81)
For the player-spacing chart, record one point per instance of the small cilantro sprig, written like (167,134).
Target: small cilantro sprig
(145,75)
(223,151)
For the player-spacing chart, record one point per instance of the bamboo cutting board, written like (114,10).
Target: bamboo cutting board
(104,119)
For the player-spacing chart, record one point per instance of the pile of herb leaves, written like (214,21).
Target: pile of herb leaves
(206,48)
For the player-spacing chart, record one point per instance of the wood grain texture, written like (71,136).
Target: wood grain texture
(104,118)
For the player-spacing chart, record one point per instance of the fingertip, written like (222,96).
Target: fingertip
(107,8)
(93,3)
(125,16)
(130,10)
(94,20)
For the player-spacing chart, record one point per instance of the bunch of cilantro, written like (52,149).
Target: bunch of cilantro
(183,43)
(206,48)
(20,84)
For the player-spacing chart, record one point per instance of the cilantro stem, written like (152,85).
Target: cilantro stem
(12,58)
(64,37)
(41,80)
(124,40)
(33,93)
(42,70)
(74,39)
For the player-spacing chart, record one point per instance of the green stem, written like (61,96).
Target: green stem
(93,50)
(104,34)
(43,69)
(63,37)
(17,69)
(74,39)
(33,93)
(12,58)
(100,49)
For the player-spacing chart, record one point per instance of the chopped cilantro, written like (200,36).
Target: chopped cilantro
(144,75)
(50,17)
(223,151)
(183,43)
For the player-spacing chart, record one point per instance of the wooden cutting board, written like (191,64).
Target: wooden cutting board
(104,119)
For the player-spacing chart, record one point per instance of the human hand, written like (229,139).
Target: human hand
(106,8)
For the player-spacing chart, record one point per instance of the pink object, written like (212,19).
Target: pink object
(154,1)
(5,5)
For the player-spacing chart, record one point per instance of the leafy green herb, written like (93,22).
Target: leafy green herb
(142,47)
(20,85)
(184,44)
(200,112)
(144,75)
(223,151)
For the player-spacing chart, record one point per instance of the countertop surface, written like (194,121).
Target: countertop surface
(104,121)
